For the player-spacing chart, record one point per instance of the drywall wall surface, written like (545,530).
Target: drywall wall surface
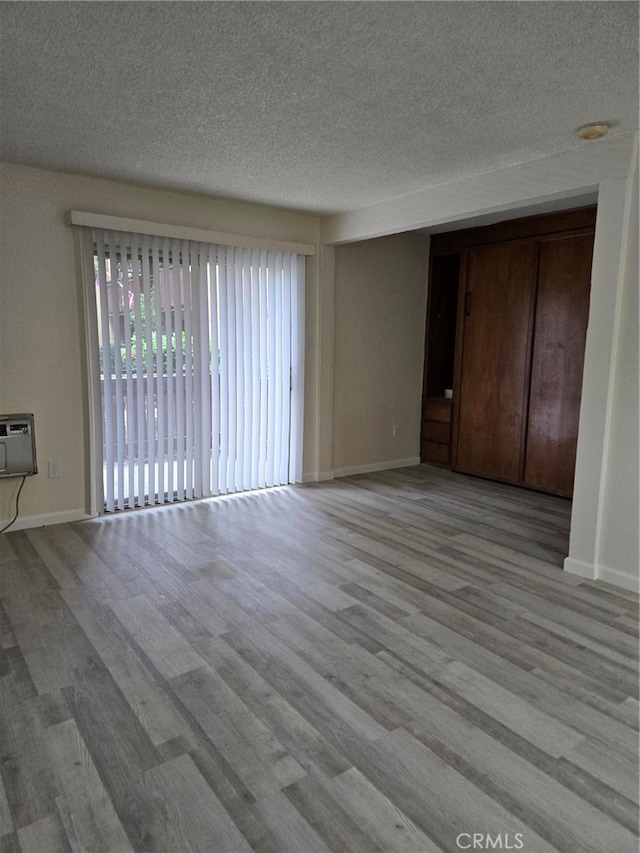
(595,400)
(379,324)
(566,174)
(606,347)
(601,167)
(41,323)
(619,550)
(325,367)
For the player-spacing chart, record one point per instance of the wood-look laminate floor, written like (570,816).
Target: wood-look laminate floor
(389,662)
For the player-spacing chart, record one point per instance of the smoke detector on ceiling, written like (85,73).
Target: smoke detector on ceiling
(596,130)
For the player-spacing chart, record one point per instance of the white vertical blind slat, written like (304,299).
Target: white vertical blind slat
(278,377)
(148,452)
(107,382)
(128,486)
(85,246)
(284,332)
(297,368)
(224,371)
(138,379)
(201,404)
(264,369)
(188,260)
(239,375)
(271,367)
(247,365)
(114,312)
(255,366)
(170,407)
(224,411)
(231,360)
(177,313)
(196,386)
(158,264)
(214,291)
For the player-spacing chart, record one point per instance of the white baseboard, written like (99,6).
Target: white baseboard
(578,567)
(320,476)
(27,522)
(317,477)
(602,573)
(618,578)
(377,466)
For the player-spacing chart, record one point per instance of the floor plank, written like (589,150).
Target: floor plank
(196,820)
(94,816)
(45,836)
(377,663)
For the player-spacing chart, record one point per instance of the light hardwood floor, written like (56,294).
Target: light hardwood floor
(380,663)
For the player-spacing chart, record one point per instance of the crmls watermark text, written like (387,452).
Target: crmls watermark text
(485,841)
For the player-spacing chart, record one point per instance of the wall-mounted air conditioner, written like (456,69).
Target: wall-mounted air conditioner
(17,446)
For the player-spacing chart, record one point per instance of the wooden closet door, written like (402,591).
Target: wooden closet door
(562,313)
(500,285)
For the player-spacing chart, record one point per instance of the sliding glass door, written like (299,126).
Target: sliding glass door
(197,361)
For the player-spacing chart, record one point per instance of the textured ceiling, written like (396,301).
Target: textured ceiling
(322,106)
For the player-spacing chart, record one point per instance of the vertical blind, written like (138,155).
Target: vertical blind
(197,361)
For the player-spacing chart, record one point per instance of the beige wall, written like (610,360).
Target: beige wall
(604,518)
(619,551)
(41,325)
(379,323)
(604,522)
(365,329)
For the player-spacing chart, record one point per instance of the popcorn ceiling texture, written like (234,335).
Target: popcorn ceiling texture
(321,106)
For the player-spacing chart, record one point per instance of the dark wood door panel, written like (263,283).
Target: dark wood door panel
(434,452)
(433,431)
(437,410)
(498,300)
(562,313)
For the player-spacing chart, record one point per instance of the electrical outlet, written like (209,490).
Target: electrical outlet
(396,430)
(55,470)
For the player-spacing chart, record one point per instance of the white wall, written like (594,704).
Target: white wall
(41,324)
(41,349)
(379,325)
(606,418)
(618,547)
(568,174)
(604,522)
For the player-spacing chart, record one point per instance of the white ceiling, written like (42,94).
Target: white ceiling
(320,106)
